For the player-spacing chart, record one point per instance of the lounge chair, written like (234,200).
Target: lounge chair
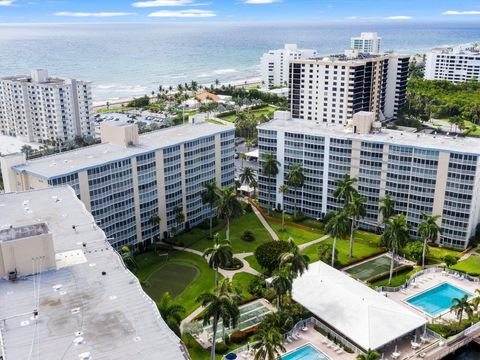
(339,351)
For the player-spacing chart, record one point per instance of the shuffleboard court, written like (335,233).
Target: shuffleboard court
(171,277)
(371,268)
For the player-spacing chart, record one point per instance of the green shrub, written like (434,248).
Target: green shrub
(414,250)
(235,264)
(386,274)
(221,349)
(325,253)
(257,286)
(248,236)
(248,208)
(450,260)
(267,254)
(299,217)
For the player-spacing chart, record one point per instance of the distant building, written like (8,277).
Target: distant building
(39,107)
(275,64)
(129,178)
(455,64)
(65,292)
(423,173)
(367,42)
(333,88)
(207,97)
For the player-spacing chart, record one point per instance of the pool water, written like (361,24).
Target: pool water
(306,352)
(438,299)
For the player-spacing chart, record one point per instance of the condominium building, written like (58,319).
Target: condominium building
(423,173)
(39,107)
(275,64)
(455,64)
(367,42)
(333,88)
(65,293)
(129,178)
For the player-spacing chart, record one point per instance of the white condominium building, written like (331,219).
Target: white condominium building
(457,64)
(423,173)
(129,178)
(333,88)
(275,64)
(65,293)
(367,42)
(39,107)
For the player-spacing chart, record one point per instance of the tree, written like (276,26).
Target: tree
(370,355)
(210,197)
(461,306)
(297,261)
(283,189)
(228,207)
(226,288)
(242,157)
(395,237)
(171,313)
(247,175)
(355,210)
(268,343)
(386,208)
(414,250)
(282,283)
(128,258)
(270,169)
(345,189)
(218,306)
(268,254)
(429,230)
(325,253)
(193,329)
(296,179)
(338,227)
(218,255)
(450,260)
(248,144)
(27,150)
(179,215)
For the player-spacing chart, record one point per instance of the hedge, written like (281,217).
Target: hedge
(386,274)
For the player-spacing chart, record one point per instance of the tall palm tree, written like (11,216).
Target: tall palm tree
(338,227)
(282,282)
(283,189)
(242,157)
(155,220)
(210,196)
(370,355)
(460,306)
(179,215)
(268,343)
(218,306)
(247,175)
(296,179)
(345,188)
(355,210)
(297,261)
(228,207)
(395,237)
(270,169)
(171,312)
(248,144)
(386,208)
(218,255)
(226,288)
(429,230)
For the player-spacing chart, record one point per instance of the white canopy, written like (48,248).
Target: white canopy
(361,314)
(253,154)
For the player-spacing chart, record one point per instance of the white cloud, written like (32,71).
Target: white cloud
(184,13)
(6,2)
(260,2)
(96,14)
(457,12)
(399,17)
(159,3)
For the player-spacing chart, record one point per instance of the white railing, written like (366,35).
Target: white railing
(2,346)
(240,349)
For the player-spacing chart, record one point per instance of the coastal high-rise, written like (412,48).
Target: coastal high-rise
(455,64)
(367,42)
(129,178)
(333,88)
(433,174)
(39,107)
(275,64)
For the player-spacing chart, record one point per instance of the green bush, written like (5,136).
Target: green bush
(386,274)
(267,254)
(325,253)
(235,264)
(299,217)
(248,208)
(450,260)
(414,250)
(221,349)
(248,236)
(257,286)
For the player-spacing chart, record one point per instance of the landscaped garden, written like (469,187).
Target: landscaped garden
(470,265)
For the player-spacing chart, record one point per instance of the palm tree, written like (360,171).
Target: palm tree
(283,189)
(460,306)
(386,208)
(254,186)
(242,157)
(128,258)
(282,282)
(228,207)
(171,312)
(345,189)
(218,255)
(210,196)
(155,221)
(296,179)
(370,355)
(338,227)
(395,237)
(429,230)
(247,175)
(226,288)
(355,209)
(268,343)
(218,306)
(248,144)
(297,261)
(179,215)
(270,169)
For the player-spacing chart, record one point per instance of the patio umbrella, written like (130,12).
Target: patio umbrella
(231,356)
(396,348)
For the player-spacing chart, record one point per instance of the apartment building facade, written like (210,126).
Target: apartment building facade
(39,107)
(333,88)
(423,173)
(274,65)
(456,65)
(128,178)
(367,42)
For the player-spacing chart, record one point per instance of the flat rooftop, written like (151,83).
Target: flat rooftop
(90,305)
(468,145)
(22,232)
(91,156)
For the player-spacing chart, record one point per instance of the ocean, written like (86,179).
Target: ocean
(124,60)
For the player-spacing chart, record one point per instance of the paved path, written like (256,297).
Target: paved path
(265,224)
(323,238)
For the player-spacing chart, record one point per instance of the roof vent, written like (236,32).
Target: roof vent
(85,356)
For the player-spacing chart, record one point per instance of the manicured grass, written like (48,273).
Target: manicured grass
(254,264)
(436,254)
(470,265)
(398,278)
(268,110)
(370,268)
(241,281)
(196,351)
(299,235)
(171,277)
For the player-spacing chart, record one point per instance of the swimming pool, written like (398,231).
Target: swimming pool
(438,299)
(306,352)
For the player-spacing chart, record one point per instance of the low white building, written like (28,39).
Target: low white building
(367,42)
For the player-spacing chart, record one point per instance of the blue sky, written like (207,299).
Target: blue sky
(237,10)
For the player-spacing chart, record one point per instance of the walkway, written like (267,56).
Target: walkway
(265,224)
(313,242)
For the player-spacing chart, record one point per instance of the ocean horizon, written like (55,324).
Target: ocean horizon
(132,59)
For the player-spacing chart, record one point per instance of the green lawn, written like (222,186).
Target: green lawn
(470,265)
(171,277)
(299,235)
(254,264)
(370,268)
(268,110)
(398,279)
(436,254)
(241,281)
(198,238)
